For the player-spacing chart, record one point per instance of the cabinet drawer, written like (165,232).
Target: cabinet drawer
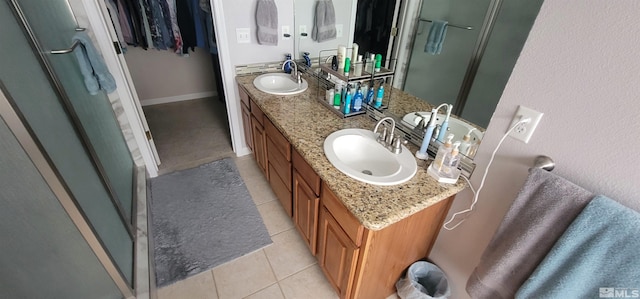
(279,163)
(244,97)
(347,221)
(256,112)
(280,189)
(279,141)
(306,172)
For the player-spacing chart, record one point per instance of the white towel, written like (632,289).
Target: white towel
(267,20)
(324,28)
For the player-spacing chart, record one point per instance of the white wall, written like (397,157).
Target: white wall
(163,74)
(580,67)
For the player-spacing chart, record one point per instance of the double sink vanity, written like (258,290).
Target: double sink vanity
(364,235)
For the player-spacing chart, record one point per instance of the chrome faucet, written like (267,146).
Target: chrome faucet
(295,75)
(389,141)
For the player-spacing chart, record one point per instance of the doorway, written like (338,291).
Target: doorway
(180,93)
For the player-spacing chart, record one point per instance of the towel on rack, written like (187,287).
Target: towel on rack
(599,251)
(94,70)
(541,212)
(324,28)
(267,20)
(435,39)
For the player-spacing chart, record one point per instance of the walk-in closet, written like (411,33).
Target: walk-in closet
(170,52)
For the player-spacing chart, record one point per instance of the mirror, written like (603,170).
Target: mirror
(482,43)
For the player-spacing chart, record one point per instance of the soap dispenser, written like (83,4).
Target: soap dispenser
(307,59)
(466,143)
(451,161)
(443,150)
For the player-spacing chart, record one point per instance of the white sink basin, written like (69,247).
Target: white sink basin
(456,127)
(356,153)
(279,84)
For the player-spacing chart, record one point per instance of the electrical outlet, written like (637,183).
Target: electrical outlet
(524,131)
(286,34)
(339,29)
(303,29)
(242,35)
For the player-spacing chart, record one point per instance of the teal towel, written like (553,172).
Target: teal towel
(437,33)
(597,256)
(94,71)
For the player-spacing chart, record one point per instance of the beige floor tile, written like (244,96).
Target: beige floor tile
(272,292)
(248,167)
(306,282)
(275,218)
(259,189)
(200,286)
(243,276)
(288,254)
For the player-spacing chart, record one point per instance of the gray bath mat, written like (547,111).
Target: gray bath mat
(202,217)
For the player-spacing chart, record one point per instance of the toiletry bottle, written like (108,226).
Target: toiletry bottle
(450,162)
(354,52)
(378,59)
(287,65)
(358,67)
(342,54)
(357,100)
(347,101)
(379,96)
(443,150)
(337,97)
(369,98)
(307,59)
(330,93)
(466,143)
(364,89)
(422,152)
(334,63)
(347,66)
(372,66)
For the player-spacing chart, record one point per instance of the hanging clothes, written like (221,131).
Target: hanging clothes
(112,9)
(187,26)
(175,29)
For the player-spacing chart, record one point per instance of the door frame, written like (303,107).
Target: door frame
(105,37)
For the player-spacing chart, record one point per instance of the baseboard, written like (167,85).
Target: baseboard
(184,97)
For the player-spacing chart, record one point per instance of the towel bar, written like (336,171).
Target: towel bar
(544,162)
(450,25)
(70,49)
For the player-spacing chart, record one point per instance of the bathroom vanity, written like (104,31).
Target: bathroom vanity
(364,236)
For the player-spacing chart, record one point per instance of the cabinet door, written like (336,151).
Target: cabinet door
(259,144)
(337,255)
(305,213)
(246,125)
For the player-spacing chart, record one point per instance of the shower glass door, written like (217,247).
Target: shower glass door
(78,131)
(437,78)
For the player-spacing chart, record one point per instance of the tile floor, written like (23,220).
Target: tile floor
(188,134)
(284,269)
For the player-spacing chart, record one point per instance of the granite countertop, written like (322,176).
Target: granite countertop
(306,123)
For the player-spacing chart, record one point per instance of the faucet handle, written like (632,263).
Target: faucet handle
(382,138)
(396,146)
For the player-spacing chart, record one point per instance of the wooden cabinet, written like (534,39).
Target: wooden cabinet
(361,263)
(306,200)
(259,138)
(246,117)
(279,161)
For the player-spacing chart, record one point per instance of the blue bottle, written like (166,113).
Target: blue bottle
(347,102)
(357,101)
(287,65)
(379,97)
(369,97)
(307,60)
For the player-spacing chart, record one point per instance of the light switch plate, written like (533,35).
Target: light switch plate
(286,31)
(303,29)
(339,29)
(243,35)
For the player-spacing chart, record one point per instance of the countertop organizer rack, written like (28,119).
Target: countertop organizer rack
(369,77)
